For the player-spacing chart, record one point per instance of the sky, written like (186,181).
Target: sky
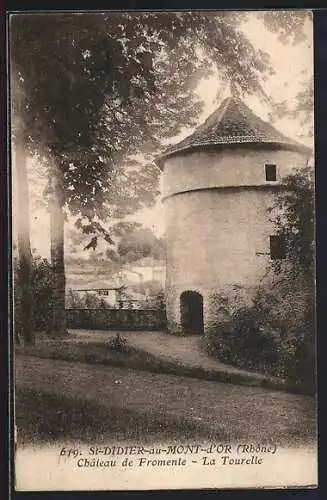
(289,63)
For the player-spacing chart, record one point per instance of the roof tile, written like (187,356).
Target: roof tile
(233,123)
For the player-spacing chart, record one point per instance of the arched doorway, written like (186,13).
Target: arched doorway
(191,304)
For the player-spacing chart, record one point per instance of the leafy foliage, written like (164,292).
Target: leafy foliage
(293,27)
(302,111)
(138,244)
(86,301)
(290,25)
(100,88)
(41,285)
(118,343)
(261,338)
(132,242)
(296,221)
(304,107)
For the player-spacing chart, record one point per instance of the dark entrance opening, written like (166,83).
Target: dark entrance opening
(191,304)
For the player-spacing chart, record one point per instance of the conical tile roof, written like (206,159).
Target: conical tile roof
(233,123)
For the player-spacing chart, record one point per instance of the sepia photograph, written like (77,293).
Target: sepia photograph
(163,250)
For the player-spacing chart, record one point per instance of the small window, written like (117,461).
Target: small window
(277,247)
(270,172)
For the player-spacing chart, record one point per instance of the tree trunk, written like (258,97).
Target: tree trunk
(24,244)
(58,323)
(22,216)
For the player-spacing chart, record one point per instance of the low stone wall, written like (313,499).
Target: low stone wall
(116,319)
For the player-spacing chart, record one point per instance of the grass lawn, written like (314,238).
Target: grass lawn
(98,352)
(46,418)
(60,400)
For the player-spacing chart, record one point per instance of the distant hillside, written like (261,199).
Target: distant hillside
(81,273)
(99,273)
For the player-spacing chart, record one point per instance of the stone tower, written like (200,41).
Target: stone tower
(218,185)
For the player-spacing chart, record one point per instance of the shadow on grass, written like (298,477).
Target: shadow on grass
(99,353)
(48,418)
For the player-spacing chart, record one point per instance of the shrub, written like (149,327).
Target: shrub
(42,275)
(260,338)
(118,344)
(299,356)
